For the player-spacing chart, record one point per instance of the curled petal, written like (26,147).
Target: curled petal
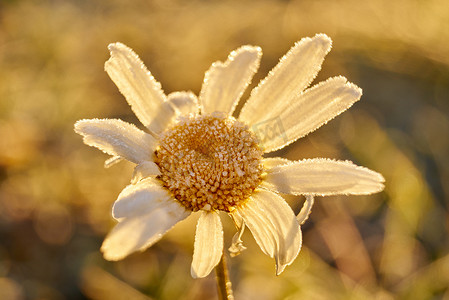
(117,138)
(237,244)
(323,177)
(208,247)
(306,209)
(274,227)
(236,218)
(224,83)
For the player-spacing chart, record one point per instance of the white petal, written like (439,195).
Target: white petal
(237,247)
(323,177)
(178,103)
(139,233)
(306,209)
(140,199)
(237,244)
(274,227)
(113,160)
(224,83)
(135,82)
(291,76)
(271,162)
(208,247)
(184,102)
(143,170)
(286,122)
(117,138)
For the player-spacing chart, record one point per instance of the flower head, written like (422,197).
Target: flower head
(196,158)
(210,162)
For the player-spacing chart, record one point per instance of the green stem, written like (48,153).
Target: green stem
(223,283)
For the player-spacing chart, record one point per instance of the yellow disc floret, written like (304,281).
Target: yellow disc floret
(209,162)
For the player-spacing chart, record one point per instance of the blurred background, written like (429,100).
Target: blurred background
(56,197)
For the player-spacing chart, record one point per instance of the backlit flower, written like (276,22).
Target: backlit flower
(194,157)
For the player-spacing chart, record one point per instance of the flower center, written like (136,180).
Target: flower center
(210,162)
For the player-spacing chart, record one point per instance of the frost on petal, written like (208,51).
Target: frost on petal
(208,247)
(138,233)
(224,83)
(306,209)
(143,170)
(271,162)
(112,161)
(135,82)
(306,112)
(184,102)
(140,198)
(274,227)
(289,77)
(177,104)
(323,177)
(117,138)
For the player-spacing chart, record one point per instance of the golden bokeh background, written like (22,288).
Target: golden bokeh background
(56,197)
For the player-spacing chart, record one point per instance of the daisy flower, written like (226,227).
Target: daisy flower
(195,157)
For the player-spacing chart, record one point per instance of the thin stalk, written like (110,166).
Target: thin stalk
(223,283)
